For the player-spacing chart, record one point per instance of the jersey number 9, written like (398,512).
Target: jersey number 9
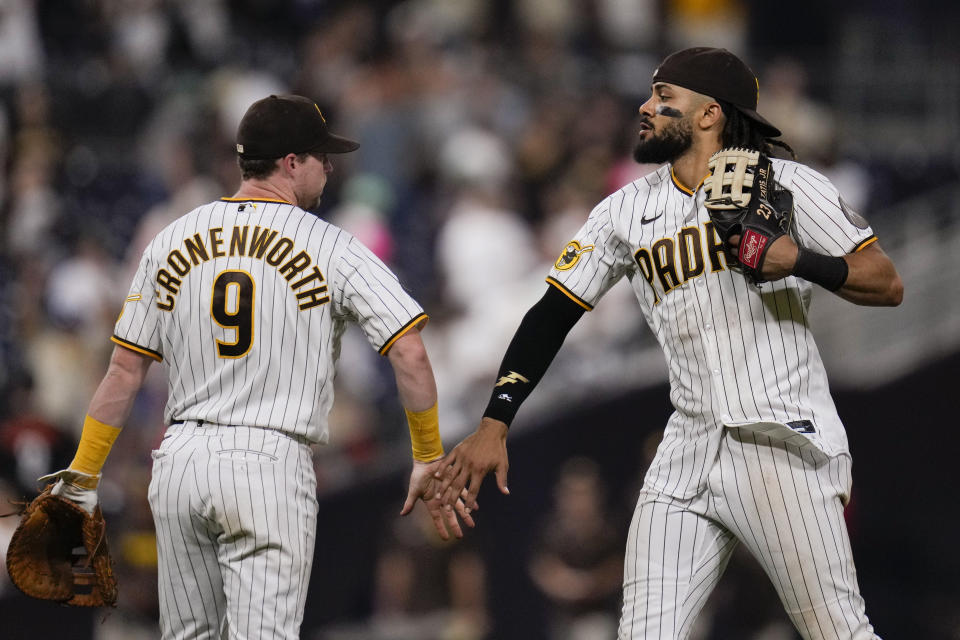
(232,308)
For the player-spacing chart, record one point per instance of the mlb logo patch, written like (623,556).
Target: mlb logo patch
(802,426)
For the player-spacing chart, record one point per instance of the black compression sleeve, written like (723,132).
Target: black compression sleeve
(830,272)
(534,345)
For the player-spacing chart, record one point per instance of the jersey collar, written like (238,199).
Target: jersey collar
(679,185)
(230,199)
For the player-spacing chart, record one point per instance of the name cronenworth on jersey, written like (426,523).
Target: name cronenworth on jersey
(259,242)
(213,296)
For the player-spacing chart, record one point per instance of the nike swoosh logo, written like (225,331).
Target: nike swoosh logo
(646,220)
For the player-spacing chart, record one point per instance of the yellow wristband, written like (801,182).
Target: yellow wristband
(425,434)
(95,443)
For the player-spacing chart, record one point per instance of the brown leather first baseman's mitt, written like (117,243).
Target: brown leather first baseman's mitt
(744,200)
(59,552)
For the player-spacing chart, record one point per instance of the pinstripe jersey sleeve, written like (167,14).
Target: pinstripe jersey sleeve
(367,291)
(138,326)
(593,261)
(823,221)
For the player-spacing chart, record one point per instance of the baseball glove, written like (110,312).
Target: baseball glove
(59,552)
(744,200)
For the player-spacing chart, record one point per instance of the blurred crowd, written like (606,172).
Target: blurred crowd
(488,131)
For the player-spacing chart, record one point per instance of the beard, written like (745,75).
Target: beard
(666,146)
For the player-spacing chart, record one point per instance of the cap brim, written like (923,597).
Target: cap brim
(766,128)
(337,144)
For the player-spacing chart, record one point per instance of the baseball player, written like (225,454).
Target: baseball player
(245,299)
(754,452)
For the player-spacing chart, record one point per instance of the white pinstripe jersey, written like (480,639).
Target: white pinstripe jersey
(245,301)
(737,354)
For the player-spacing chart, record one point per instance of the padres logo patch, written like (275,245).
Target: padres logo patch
(571,254)
(133,298)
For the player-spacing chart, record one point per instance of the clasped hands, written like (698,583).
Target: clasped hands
(449,485)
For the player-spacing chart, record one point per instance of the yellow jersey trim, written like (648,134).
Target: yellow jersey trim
(405,328)
(568,293)
(133,347)
(866,243)
(231,199)
(680,185)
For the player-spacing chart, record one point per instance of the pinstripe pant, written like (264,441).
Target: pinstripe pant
(784,504)
(235,511)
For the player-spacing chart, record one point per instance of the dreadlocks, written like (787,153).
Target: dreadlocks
(740,131)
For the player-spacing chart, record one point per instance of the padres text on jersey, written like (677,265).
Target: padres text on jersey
(736,354)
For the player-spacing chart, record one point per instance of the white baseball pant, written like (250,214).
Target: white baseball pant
(785,504)
(235,511)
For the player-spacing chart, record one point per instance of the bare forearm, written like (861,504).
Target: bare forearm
(108,412)
(415,382)
(869,277)
(872,279)
(113,399)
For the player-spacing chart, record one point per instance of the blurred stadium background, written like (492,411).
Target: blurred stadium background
(489,128)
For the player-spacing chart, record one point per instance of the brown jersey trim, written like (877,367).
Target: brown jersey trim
(134,347)
(568,293)
(422,317)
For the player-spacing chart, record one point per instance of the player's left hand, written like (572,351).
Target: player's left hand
(780,258)
(423,486)
(750,211)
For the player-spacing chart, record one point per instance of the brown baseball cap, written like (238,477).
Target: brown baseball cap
(719,74)
(278,125)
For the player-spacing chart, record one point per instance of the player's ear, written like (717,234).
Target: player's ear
(711,114)
(289,162)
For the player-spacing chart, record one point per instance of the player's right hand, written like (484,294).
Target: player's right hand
(464,468)
(76,486)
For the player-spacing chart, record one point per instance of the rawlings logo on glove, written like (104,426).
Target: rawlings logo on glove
(751,248)
(743,200)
